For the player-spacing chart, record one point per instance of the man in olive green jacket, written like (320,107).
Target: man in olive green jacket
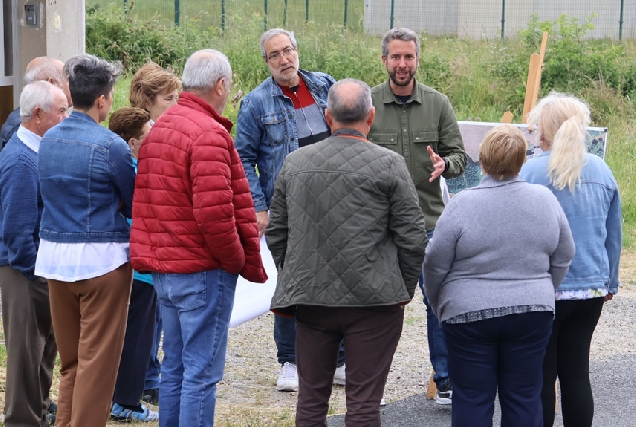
(348,238)
(418,122)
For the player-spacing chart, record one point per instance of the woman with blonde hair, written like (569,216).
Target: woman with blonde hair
(588,193)
(154,89)
(500,251)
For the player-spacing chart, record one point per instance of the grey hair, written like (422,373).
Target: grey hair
(349,106)
(203,69)
(90,77)
(402,34)
(45,69)
(39,93)
(273,33)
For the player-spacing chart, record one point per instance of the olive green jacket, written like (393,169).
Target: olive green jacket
(345,228)
(427,118)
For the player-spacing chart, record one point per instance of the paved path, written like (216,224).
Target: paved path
(613,383)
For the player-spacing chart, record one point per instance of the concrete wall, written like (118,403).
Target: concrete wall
(59,32)
(482,18)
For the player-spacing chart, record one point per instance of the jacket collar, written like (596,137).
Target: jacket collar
(489,181)
(304,75)
(389,97)
(190,100)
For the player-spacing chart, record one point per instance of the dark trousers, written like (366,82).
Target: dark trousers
(31,349)
(285,339)
(568,358)
(140,331)
(154,365)
(506,354)
(371,335)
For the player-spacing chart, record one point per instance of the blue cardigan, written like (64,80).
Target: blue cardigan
(21,207)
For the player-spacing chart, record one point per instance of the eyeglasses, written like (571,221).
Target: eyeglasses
(276,55)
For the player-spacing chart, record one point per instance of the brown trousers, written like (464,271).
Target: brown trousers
(89,318)
(371,335)
(31,350)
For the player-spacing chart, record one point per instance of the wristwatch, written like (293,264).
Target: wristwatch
(446,162)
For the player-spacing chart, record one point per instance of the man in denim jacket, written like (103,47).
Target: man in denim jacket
(282,114)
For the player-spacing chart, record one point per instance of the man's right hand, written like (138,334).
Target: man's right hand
(262,219)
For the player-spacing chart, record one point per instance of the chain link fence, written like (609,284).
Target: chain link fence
(613,19)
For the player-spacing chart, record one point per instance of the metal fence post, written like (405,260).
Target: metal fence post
(177,12)
(265,18)
(285,15)
(346,3)
(223,15)
(503,18)
(620,21)
(392,11)
(306,11)
(126,7)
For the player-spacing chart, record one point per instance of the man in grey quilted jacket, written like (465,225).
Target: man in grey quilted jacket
(348,237)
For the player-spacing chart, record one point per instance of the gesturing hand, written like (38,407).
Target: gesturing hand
(438,164)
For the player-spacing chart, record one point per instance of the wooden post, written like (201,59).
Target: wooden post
(507,117)
(534,79)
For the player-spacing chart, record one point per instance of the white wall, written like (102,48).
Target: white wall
(482,18)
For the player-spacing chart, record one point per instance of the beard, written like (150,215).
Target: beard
(405,82)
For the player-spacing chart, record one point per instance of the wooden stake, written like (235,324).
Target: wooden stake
(507,117)
(534,79)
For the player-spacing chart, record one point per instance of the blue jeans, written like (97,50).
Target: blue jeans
(436,341)
(195,310)
(154,365)
(285,339)
(503,354)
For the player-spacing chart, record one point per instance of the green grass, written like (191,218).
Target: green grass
(206,14)
(482,78)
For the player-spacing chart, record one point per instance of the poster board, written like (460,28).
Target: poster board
(473,133)
(253,299)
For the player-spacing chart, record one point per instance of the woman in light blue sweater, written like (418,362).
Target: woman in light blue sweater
(587,191)
(500,251)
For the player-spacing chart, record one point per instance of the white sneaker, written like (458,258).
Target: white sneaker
(340,376)
(288,378)
(382,402)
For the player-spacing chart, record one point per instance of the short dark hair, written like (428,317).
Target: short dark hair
(349,106)
(128,122)
(402,34)
(90,77)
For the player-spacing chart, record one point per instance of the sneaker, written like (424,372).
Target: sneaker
(288,378)
(382,402)
(444,394)
(121,414)
(51,413)
(50,418)
(340,376)
(151,396)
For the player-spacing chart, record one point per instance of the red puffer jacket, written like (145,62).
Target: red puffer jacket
(192,207)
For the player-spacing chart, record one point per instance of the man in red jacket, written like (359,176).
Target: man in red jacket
(194,227)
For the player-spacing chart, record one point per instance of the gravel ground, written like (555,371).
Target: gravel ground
(247,396)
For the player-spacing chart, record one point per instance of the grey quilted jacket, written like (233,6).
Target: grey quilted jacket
(345,228)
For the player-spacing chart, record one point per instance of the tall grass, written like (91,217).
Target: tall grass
(482,78)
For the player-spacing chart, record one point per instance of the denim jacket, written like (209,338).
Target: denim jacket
(266,131)
(86,181)
(594,213)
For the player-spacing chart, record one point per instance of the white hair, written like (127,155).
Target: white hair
(561,121)
(41,94)
(203,69)
(45,69)
(273,33)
